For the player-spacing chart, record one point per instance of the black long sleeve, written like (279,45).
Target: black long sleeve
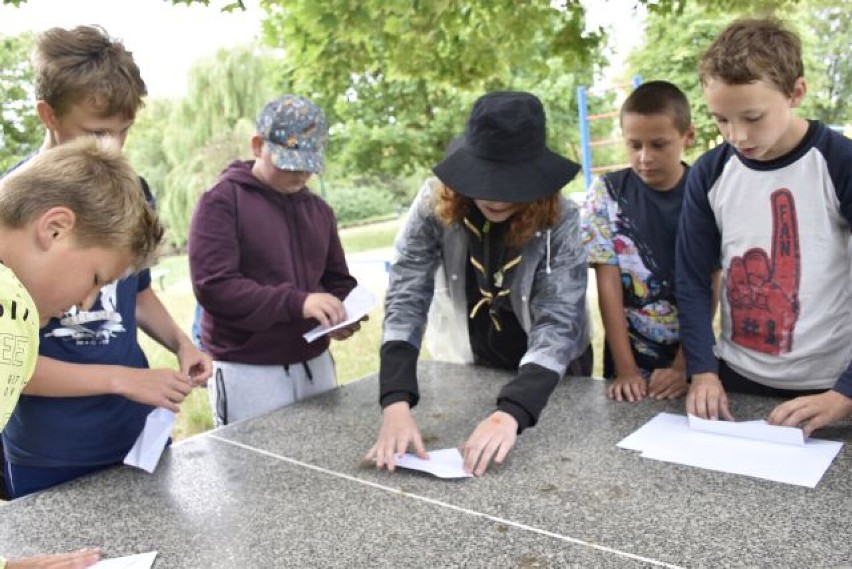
(525,396)
(398,373)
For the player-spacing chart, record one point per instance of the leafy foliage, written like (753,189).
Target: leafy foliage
(671,50)
(181,146)
(356,203)
(824,28)
(20,128)
(674,42)
(398,77)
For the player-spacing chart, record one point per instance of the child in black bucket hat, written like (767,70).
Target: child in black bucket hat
(499,248)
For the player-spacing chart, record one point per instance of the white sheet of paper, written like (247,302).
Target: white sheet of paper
(757,430)
(669,438)
(139,561)
(151,443)
(358,304)
(654,430)
(444,463)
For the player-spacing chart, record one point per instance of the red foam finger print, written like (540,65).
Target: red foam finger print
(763,290)
(739,292)
(786,256)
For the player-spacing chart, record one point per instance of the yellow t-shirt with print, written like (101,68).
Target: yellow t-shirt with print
(18,341)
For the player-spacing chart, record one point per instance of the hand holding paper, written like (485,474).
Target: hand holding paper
(357,304)
(757,430)
(148,448)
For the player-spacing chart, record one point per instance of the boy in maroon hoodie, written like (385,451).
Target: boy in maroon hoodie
(267,266)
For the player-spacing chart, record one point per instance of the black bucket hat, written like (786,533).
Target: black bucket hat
(502,155)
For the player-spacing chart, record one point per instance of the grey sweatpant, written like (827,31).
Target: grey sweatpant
(242,391)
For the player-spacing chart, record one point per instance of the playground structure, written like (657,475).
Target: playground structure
(586,142)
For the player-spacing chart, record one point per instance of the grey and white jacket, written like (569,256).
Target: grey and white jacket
(427,284)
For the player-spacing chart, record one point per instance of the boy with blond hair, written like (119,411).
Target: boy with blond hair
(629,227)
(773,206)
(92,389)
(71,220)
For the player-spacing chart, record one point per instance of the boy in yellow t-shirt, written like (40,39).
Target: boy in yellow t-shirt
(18,340)
(73,219)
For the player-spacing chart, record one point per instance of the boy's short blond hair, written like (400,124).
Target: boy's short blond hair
(91,177)
(752,50)
(85,65)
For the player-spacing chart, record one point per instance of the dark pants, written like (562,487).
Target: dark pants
(737,383)
(582,366)
(23,480)
(4,494)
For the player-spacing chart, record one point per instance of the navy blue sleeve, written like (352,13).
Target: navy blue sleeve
(696,258)
(838,154)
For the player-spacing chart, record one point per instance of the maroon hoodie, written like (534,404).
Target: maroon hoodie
(254,255)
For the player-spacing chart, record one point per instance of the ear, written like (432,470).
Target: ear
(55,225)
(689,136)
(46,114)
(257,145)
(800,88)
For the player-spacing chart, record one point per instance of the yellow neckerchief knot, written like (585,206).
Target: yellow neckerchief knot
(491,287)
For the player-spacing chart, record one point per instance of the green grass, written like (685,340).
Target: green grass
(366,237)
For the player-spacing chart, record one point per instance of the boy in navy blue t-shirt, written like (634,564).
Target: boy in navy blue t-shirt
(92,389)
(629,226)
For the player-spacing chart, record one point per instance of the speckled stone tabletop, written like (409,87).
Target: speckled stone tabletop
(289,490)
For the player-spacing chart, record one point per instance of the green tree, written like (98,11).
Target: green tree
(823,25)
(181,146)
(20,128)
(674,42)
(144,146)
(671,49)
(398,78)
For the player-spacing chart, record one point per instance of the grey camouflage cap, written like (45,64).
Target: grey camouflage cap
(294,129)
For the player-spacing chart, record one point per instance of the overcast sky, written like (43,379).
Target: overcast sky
(165,39)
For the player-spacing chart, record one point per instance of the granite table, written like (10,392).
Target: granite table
(289,490)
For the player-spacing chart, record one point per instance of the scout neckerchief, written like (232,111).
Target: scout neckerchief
(493,282)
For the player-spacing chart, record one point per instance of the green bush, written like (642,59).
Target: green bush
(357,203)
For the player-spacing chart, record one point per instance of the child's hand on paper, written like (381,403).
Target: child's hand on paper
(667,383)
(347,332)
(707,398)
(493,438)
(628,387)
(812,411)
(327,309)
(399,431)
(73,560)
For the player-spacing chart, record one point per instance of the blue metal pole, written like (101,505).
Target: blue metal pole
(637,80)
(585,147)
